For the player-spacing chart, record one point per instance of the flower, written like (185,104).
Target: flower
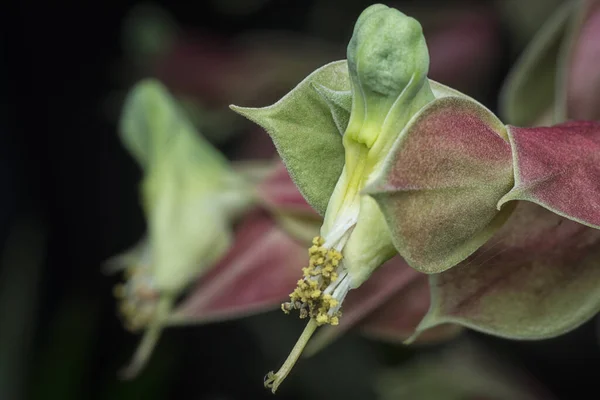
(399,163)
(191,197)
(387,64)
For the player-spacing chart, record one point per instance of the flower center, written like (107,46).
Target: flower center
(315,295)
(138,297)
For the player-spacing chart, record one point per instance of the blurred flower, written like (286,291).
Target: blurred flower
(191,196)
(556,78)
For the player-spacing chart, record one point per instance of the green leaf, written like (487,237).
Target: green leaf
(305,133)
(442,181)
(340,104)
(529,92)
(439,90)
(537,278)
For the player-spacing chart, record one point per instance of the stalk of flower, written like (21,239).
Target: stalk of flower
(387,64)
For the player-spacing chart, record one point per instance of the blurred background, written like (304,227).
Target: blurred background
(70,199)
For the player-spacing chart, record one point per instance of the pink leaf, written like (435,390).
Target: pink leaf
(583,75)
(278,191)
(257,274)
(558,168)
(537,278)
(440,188)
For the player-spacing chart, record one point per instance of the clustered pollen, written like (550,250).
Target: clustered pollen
(137,298)
(310,297)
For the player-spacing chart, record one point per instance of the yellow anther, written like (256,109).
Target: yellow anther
(308,297)
(334,321)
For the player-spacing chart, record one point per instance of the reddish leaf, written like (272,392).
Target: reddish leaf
(583,74)
(537,278)
(278,191)
(558,168)
(441,185)
(258,273)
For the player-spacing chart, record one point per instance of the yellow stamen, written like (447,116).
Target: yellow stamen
(308,296)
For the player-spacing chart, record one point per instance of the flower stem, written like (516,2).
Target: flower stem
(149,340)
(272,380)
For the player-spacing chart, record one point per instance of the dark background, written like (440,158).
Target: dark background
(69,199)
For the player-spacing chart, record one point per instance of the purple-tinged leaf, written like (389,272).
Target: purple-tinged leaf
(583,74)
(559,168)
(259,272)
(537,278)
(280,196)
(442,182)
(278,191)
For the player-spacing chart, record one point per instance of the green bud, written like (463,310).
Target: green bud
(388,63)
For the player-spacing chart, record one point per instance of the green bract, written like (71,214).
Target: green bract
(305,134)
(190,196)
(189,192)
